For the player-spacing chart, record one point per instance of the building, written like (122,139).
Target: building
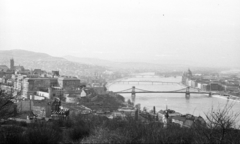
(69,84)
(127,111)
(231,88)
(12,67)
(42,95)
(188,120)
(37,72)
(23,72)
(3,68)
(42,108)
(18,83)
(7,88)
(18,68)
(204,86)
(9,73)
(12,64)
(171,113)
(71,98)
(10,82)
(215,87)
(3,80)
(49,87)
(55,73)
(193,83)
(32,85)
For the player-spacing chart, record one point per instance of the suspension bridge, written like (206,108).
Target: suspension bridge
(153,75)
(187,91)
(146,82)
(142,76)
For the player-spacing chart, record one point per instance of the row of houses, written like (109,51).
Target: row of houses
(38,84)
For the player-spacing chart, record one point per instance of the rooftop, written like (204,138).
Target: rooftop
(41,78)
(3,66)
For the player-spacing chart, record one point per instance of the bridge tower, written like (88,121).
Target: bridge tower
(210,94)
(133,95)
(187,93)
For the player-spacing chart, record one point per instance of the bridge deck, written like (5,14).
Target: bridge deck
(150,81)
(168,92)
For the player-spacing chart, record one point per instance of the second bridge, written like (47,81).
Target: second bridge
(146,82)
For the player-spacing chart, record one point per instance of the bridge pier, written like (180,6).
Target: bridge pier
(210,94)
(187,94)
(133,96)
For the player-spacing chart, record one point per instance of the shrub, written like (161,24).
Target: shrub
(104,135)
(44,134)
(220,126)
(24,124)
(116,123)
(78,132)
(11,134)
(63,123)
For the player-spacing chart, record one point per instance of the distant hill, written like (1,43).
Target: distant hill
(125,65)
(91,61)
(179,65)
(76,66)
(34,60)
(18,54)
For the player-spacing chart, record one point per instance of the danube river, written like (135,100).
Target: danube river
(198,104)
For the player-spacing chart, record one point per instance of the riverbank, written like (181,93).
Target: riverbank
(230,97)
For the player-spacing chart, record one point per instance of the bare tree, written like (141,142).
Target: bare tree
(220,123)
(4,104)
(224,118)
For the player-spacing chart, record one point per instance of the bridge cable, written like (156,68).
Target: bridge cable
(144,90)
(123,90)
(154,91)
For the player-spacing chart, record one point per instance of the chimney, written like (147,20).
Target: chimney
(136,114)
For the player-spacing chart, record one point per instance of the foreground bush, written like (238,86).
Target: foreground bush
(42,132)
(40,135)
(104,135)
(78,132)
(11,134)
(98,129)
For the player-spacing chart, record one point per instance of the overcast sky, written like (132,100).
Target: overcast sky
(197,31)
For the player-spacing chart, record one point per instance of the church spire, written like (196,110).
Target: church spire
(189,72)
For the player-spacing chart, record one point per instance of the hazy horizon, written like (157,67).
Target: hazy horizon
(184,32)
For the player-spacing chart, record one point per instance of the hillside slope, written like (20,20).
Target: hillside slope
(34,60)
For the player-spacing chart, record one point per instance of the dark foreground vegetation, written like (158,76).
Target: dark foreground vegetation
(97,129)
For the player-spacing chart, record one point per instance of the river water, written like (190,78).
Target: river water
(197,104)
